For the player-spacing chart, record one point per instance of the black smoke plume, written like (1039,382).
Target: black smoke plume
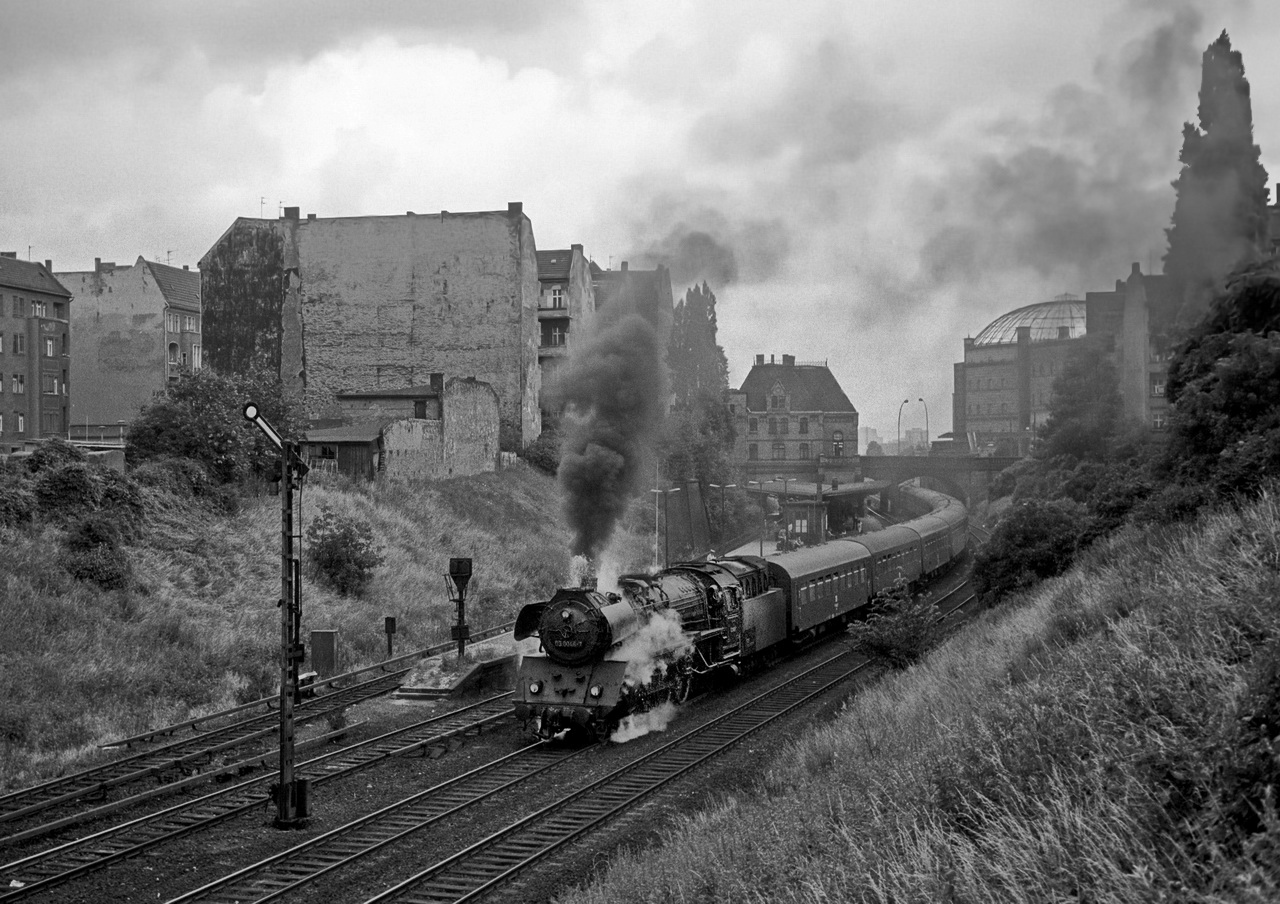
(614,393)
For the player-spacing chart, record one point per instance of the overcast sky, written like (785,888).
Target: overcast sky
(860,182)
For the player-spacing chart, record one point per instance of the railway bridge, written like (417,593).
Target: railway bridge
(962,476)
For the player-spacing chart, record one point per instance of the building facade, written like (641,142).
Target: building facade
(136,328)
(793,418)
(1004,386)
(566,307)
(358,304)
(35,353)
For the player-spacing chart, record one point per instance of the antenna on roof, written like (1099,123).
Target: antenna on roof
(262,203)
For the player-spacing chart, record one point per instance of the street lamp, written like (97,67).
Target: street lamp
(716,486)
(764,518)
(926,424)
(898,450)
(666,526)
(786,522)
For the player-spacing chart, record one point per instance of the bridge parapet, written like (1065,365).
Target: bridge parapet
(962,476)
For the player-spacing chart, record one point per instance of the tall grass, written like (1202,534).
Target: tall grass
(1102,740)
(197,629)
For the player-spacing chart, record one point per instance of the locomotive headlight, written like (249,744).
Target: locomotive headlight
(535,687)
(596,690)
(565,615)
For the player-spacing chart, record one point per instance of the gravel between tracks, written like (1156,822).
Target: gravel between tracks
(177,867)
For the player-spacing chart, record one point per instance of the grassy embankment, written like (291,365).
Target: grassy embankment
(1099,740)
(197,629)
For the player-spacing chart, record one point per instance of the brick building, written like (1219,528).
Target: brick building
(136,327)
(566,306)
(35,353)
(787,416)
(445,429)
(359,304)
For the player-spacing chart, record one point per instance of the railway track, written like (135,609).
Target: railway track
(287,871)
(173,758)
(507,854)
(74,859)
(196,752)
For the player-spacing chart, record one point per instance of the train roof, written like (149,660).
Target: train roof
(811,559)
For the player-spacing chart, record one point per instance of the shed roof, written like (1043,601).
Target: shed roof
(357,432)
(29,276)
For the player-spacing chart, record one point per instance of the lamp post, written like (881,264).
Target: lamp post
(292,797)
(666,526)
(898,451)
(786,522)
(716,486)
(926,424)
(764,518)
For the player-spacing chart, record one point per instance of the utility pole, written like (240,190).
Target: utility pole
(292,795)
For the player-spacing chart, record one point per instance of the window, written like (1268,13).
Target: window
(66,343)
(804,425)
(49,384)
(1,384)
(2,345)
(558,334)
(173,353)
(837,444)
(779,451)
(22,423)
(753,425)
(1158,420)
(785,424)
(557,296)
(171,322)
(19,344)
(773,426)
(188,323)
(196,363)
(753,452)
(38,308)
(19,307)
(59,311)
(19,385)
(1157,385)
(48,346)
(1,424)
(804,450)
(420,408)
(64,382)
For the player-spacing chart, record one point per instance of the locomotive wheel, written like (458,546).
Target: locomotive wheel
(681,691)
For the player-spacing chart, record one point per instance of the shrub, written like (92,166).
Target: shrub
(17,498)
(93,554)
(900,629)
(68,489)
(179,476)
(342,551)
(53,453)
(1033,541)
(544,452)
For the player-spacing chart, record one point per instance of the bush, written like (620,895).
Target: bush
(93,554)
(1033,541)
(67,490)
(544,452)
(901,628)
(179,476)
(17,498)
(342,551)
(53,453)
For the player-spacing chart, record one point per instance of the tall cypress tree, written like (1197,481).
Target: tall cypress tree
(698,366)
(1220,215)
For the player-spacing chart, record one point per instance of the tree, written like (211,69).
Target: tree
(1085,408)
(873,448)
(1220,215)
(1034,540)
(200,417)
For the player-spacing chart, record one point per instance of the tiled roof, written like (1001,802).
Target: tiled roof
(554,265)
(180,287)
(29,276)
(812,387)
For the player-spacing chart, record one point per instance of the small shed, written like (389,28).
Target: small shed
(354,450)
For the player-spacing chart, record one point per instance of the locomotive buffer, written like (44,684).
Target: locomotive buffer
(292,795)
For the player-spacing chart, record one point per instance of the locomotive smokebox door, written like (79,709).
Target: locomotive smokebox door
(460,572)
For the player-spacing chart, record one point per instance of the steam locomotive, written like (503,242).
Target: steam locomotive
(605,655)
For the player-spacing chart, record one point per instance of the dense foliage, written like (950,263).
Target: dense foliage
(1085,407)
(342,551)
(1034,540)
(201,418)
(901,628)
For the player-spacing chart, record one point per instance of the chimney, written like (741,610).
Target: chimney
(1137,269)
(48,265)
(311,216)
(759,359)
(577,248)
(624,266)
(771,361)
(291,213)
(788,360)
(9,254)
(97,265)
(515,207)
(1277,204)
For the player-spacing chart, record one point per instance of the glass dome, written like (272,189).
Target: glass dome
(1062,318)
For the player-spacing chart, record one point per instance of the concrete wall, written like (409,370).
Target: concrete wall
(367,303)
(464,441)
(117,324)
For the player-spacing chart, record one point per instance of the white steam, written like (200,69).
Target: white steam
(606,570)
(650,649)
(638,725)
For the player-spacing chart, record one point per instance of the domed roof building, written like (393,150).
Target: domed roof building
(1005,383)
